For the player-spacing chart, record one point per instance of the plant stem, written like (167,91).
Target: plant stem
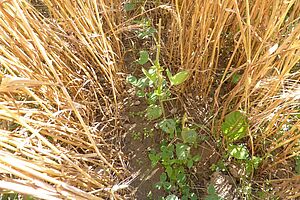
(158,46)
(159,70)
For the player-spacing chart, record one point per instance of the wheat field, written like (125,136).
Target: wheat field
(62,83)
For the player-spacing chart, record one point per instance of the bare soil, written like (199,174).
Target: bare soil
(137,143)
(136,146)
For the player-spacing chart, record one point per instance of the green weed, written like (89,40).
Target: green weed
(137,136)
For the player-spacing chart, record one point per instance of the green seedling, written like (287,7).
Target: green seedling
(146,30)
(132,5)
(148,132)
(153,86)
(174,155)
(175,159)
(136,136)
(138,114)
(171,197)
(235,128)
(144,57)
(235,78)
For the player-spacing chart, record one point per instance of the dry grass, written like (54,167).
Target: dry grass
(259,40)
(59,88)
(58,101)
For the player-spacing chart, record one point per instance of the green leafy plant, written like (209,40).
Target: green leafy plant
(239,152)
(235,126)
(144,57)
(175,159)
(146,30)
(171,197)
(136,136)
(132,5)
(174,155)
(129,6)
(235,129)
(235,78)
(15,196)
(153,86)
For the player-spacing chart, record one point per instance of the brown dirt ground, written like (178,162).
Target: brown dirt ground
(136,146)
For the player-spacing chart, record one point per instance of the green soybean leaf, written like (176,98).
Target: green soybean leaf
(196,158)
(169,74)
(132,80)
(167,186)
(256,161)
(147,32)
(153,112)
(154,158)
(189,135)
(235,126)
(252,164)
(152,98)
(190,163)
(167,153)
(144,57)
(184,197)
(151,75)
(178,78)
(181,177)
(169,171)
(182,151)
(172,197)
(211,189)
(163,177)
(129,6)
(142,82)
(212,195)
(239,152)
(140,93)
(235,78)
(158,185)
(168,126)
(193,196)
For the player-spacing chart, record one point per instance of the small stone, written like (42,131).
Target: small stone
(235,171)
(173,111)
(131,90)
(136,103)
(127,126)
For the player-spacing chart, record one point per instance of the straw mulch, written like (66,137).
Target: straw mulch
(58,104)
